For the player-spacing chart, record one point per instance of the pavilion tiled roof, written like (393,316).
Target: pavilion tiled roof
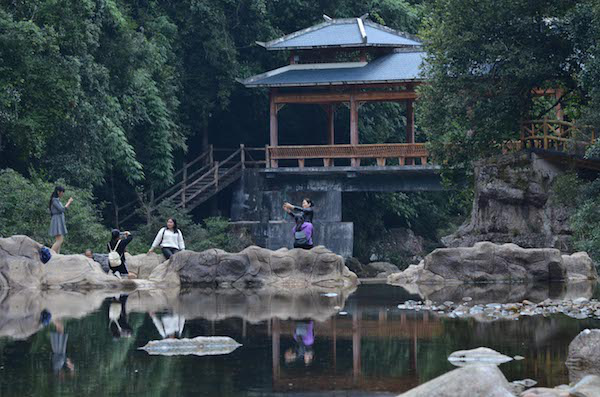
(336,33)
(399,66)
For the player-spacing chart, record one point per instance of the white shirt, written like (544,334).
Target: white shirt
(169,239)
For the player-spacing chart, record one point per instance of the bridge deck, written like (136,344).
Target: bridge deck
(404,178)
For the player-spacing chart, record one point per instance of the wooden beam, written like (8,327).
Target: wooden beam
(336,97)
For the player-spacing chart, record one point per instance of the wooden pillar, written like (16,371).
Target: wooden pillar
(273,125)
(410,121)
(410,126)
(330,125)
(354,127)
(560,114)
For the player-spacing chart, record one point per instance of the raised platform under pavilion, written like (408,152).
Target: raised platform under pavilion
(344,62)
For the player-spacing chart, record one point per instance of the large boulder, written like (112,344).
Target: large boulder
(489,262)
(584,355)
(255,266)
(21,267)
(144,264)
(469,381)
(580,266)
(515,202)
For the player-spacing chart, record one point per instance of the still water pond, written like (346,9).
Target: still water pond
(307,343)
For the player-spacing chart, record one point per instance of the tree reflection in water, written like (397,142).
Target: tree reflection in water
(374,347)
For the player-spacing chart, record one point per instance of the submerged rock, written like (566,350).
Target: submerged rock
(199,346)
(255,266)
(470,381)
(489,262)
(480,355)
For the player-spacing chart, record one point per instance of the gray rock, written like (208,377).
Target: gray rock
(580,266)
(20,267)
(198,346)
(584,355)
(469,381)
(255,266)
(515,203)
(480,355)
(587,387)
(382,269)
(486,262)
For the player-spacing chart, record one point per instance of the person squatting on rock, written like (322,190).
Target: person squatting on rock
(117,244)
(58,226)
(169,239)
(307,210)
(302,233)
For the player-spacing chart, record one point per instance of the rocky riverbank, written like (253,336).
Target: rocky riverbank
(489,262)
(255,267)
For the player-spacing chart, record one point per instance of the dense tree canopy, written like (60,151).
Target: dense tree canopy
(485,58)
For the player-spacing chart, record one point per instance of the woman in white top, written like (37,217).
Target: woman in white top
(169,239)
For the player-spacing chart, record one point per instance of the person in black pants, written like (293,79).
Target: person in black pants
(122,239)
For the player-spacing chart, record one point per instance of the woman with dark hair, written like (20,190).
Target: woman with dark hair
(307,210)
(169,239)
(302,233)
(118,243)
(58,226)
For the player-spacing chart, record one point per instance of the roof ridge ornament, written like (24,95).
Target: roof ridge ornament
(327,18)
(361,29)
(364,16)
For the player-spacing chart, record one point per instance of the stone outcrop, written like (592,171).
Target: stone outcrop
(255,266)
(469,381)
(21,267)
(489,262)
(584,355)
(515,203)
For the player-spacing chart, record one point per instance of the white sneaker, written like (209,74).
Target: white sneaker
(118,275)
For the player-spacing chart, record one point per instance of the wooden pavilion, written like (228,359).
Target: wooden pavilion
(344,62)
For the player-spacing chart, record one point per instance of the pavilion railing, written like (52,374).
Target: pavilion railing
(405,153)
(553,135)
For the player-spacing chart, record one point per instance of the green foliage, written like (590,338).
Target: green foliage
(484,58)
(24,210)
(215,233)
(567,189)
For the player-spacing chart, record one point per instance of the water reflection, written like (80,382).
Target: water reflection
(295,342)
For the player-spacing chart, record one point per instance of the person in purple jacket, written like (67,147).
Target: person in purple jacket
(303,232)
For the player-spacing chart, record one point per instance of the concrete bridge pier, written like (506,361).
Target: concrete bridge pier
(260,193)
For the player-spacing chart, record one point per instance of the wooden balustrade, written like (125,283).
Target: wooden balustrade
(403,152)
(553,135)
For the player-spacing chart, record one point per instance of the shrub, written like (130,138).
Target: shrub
(24,210)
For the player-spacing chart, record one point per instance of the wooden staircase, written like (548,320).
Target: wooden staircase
(202,178)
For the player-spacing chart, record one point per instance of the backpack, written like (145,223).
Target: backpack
(45,254)
(114,259)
